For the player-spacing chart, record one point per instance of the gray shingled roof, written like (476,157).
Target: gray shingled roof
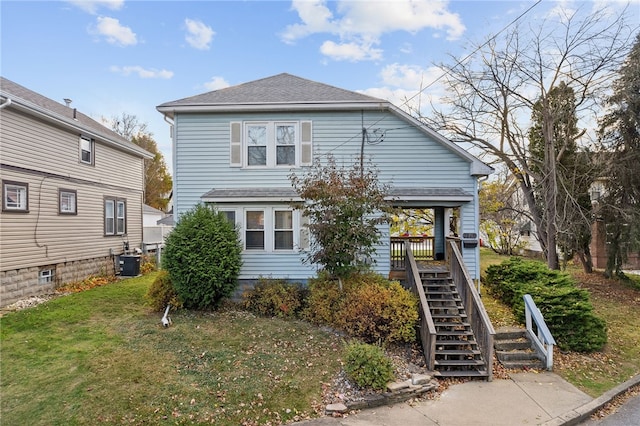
(247,193)
(72,117)
(278,89)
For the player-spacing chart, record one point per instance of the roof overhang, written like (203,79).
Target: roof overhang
(251,195)
(30,108)
(170,110)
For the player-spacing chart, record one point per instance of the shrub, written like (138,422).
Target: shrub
(380,312)
(369,307)
(277,298)
(324,301)
(368,366)
(162,293)
(566,308)
(148,264)
(203,257)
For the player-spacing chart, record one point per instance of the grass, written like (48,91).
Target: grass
(618,303)
(101,356)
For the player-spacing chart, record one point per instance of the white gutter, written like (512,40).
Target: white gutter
(6,103)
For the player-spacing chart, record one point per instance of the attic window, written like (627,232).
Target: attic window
(86,150)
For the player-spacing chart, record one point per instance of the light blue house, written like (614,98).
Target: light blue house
(236,147)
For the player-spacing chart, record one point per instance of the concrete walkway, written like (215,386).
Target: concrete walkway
(526,399)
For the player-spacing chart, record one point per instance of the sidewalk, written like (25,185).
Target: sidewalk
(526,399)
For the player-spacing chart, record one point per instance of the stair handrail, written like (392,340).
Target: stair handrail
(543,340)
(476,313)
(428,333)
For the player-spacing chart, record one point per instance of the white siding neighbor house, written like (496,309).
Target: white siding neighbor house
(72,194)
(236,147)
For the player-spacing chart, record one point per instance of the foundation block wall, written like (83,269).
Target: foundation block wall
(19,284)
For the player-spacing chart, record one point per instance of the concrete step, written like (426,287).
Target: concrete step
(516,355)
(524,365)
(510,345)
(510,333)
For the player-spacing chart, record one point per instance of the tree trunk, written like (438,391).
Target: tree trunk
(550,186)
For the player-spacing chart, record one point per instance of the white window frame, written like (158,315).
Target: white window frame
(291,230)
(91,151)
(269,229)
(235,215)
(21,189)
(71,202)
(46,276)
(115,222)
(271,143)
(264,228)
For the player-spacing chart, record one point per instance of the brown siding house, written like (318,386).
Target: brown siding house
(72,194)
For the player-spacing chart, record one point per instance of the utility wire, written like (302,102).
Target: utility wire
(445,72)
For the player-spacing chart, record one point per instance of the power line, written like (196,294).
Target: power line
(445,72)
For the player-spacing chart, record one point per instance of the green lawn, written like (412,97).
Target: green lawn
(101,356)
(618,303)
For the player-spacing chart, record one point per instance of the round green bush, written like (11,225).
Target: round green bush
(368,366)
(203,257)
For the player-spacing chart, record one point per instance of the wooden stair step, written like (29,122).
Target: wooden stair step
(458,352)
(455,342)
(462,373)
(448,316)
(451,324)
(454,333)
(458,362)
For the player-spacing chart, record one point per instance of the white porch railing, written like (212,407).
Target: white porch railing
(543,341)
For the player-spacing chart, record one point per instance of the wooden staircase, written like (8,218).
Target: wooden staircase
(456,350)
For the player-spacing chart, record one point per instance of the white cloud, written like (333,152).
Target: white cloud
(92,6)
(216,83)
(114,32)
(142,72)
(409,86)
(355,22)
(350,51)
(199,35)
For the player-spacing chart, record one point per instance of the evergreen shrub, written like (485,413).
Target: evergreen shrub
(567,309)
(203,257)
(162,293)
(367,366)
(275,298)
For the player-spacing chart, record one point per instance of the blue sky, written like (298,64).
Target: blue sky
(115,56)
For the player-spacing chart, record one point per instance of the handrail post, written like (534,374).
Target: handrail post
(543,341)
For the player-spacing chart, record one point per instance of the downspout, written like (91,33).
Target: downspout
(477,207)
(6,103)
(171,124)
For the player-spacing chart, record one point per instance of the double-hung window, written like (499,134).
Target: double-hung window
(15,196)
(270,144)
(283,230)
(115,216)
(86,150)
(67,201)
(254,230)
(272,229)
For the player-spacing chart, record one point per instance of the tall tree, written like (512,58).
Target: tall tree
(564,172)
(620,134)
(493,93)
(158,182)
